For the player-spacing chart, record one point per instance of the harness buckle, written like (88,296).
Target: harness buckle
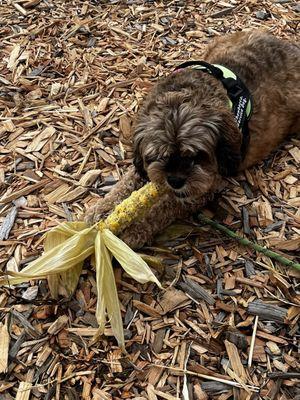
(234,90)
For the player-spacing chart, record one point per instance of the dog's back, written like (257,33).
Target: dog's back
(270,67)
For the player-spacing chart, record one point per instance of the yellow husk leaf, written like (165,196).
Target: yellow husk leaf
(59,259)
(99,258)
(132,263)
(69,244)
(66,282)
(107,292)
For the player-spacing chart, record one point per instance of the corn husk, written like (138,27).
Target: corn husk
(69,244)
(59,258)
(66,282)
(132,263)
(108,301)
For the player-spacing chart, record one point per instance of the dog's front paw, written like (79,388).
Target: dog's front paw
(98,212)
(136,235)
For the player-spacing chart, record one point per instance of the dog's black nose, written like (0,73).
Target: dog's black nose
(175,181)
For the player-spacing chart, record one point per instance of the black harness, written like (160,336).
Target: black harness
(238,93)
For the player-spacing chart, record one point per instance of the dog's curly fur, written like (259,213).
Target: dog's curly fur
(186,137)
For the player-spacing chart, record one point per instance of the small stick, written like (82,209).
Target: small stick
(246,242)
(20,8)
(252,342)
(208,377)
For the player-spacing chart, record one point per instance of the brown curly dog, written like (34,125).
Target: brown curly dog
(188,138)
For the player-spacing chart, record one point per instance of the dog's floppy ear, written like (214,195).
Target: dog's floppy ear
(138,159)
(228,149)
(229,160)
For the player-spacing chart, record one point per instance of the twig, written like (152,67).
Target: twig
(185,390)
(252,342)
(208,377)
(73,375)
(247,242)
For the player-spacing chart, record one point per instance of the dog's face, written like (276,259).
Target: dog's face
(180,142)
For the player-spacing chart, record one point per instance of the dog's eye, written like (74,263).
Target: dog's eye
(201,158)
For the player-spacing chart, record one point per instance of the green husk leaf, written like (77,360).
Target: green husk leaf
(176,231)
(153,261)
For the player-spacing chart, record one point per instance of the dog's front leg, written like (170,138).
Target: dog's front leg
(162,214)
(127,184)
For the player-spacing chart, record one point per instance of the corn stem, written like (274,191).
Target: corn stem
(246,242)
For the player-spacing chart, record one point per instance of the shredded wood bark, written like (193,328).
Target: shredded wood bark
(72,76)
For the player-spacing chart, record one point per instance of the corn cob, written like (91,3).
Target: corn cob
(131,209)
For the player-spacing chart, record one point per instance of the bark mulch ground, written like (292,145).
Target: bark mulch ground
(71,78)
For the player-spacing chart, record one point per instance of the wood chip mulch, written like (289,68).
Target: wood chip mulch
(71,78)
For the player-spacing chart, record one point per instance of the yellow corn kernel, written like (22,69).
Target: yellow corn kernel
(131,209)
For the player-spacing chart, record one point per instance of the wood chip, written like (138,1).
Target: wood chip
(4,347)
(235,360)
(172,299)
(146,309)
(58,325)
(196,291)
(267,311)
